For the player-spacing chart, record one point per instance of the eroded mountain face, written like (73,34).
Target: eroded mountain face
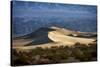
(76,17)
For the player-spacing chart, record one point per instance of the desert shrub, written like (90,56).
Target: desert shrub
(55,54)
(84,53)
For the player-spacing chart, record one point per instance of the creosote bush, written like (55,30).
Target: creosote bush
(55,54)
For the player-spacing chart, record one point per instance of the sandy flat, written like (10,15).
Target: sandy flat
(21,42)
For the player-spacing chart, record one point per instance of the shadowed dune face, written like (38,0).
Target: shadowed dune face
(40,36)
(50,35)
(38,33)
(41,40)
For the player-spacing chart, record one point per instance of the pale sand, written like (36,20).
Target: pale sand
(21,42)
(60,37)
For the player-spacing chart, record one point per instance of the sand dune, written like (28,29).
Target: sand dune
(58,37)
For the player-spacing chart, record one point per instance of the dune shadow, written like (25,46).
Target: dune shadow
(40,40)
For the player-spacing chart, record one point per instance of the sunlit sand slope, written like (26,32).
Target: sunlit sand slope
(60,37)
